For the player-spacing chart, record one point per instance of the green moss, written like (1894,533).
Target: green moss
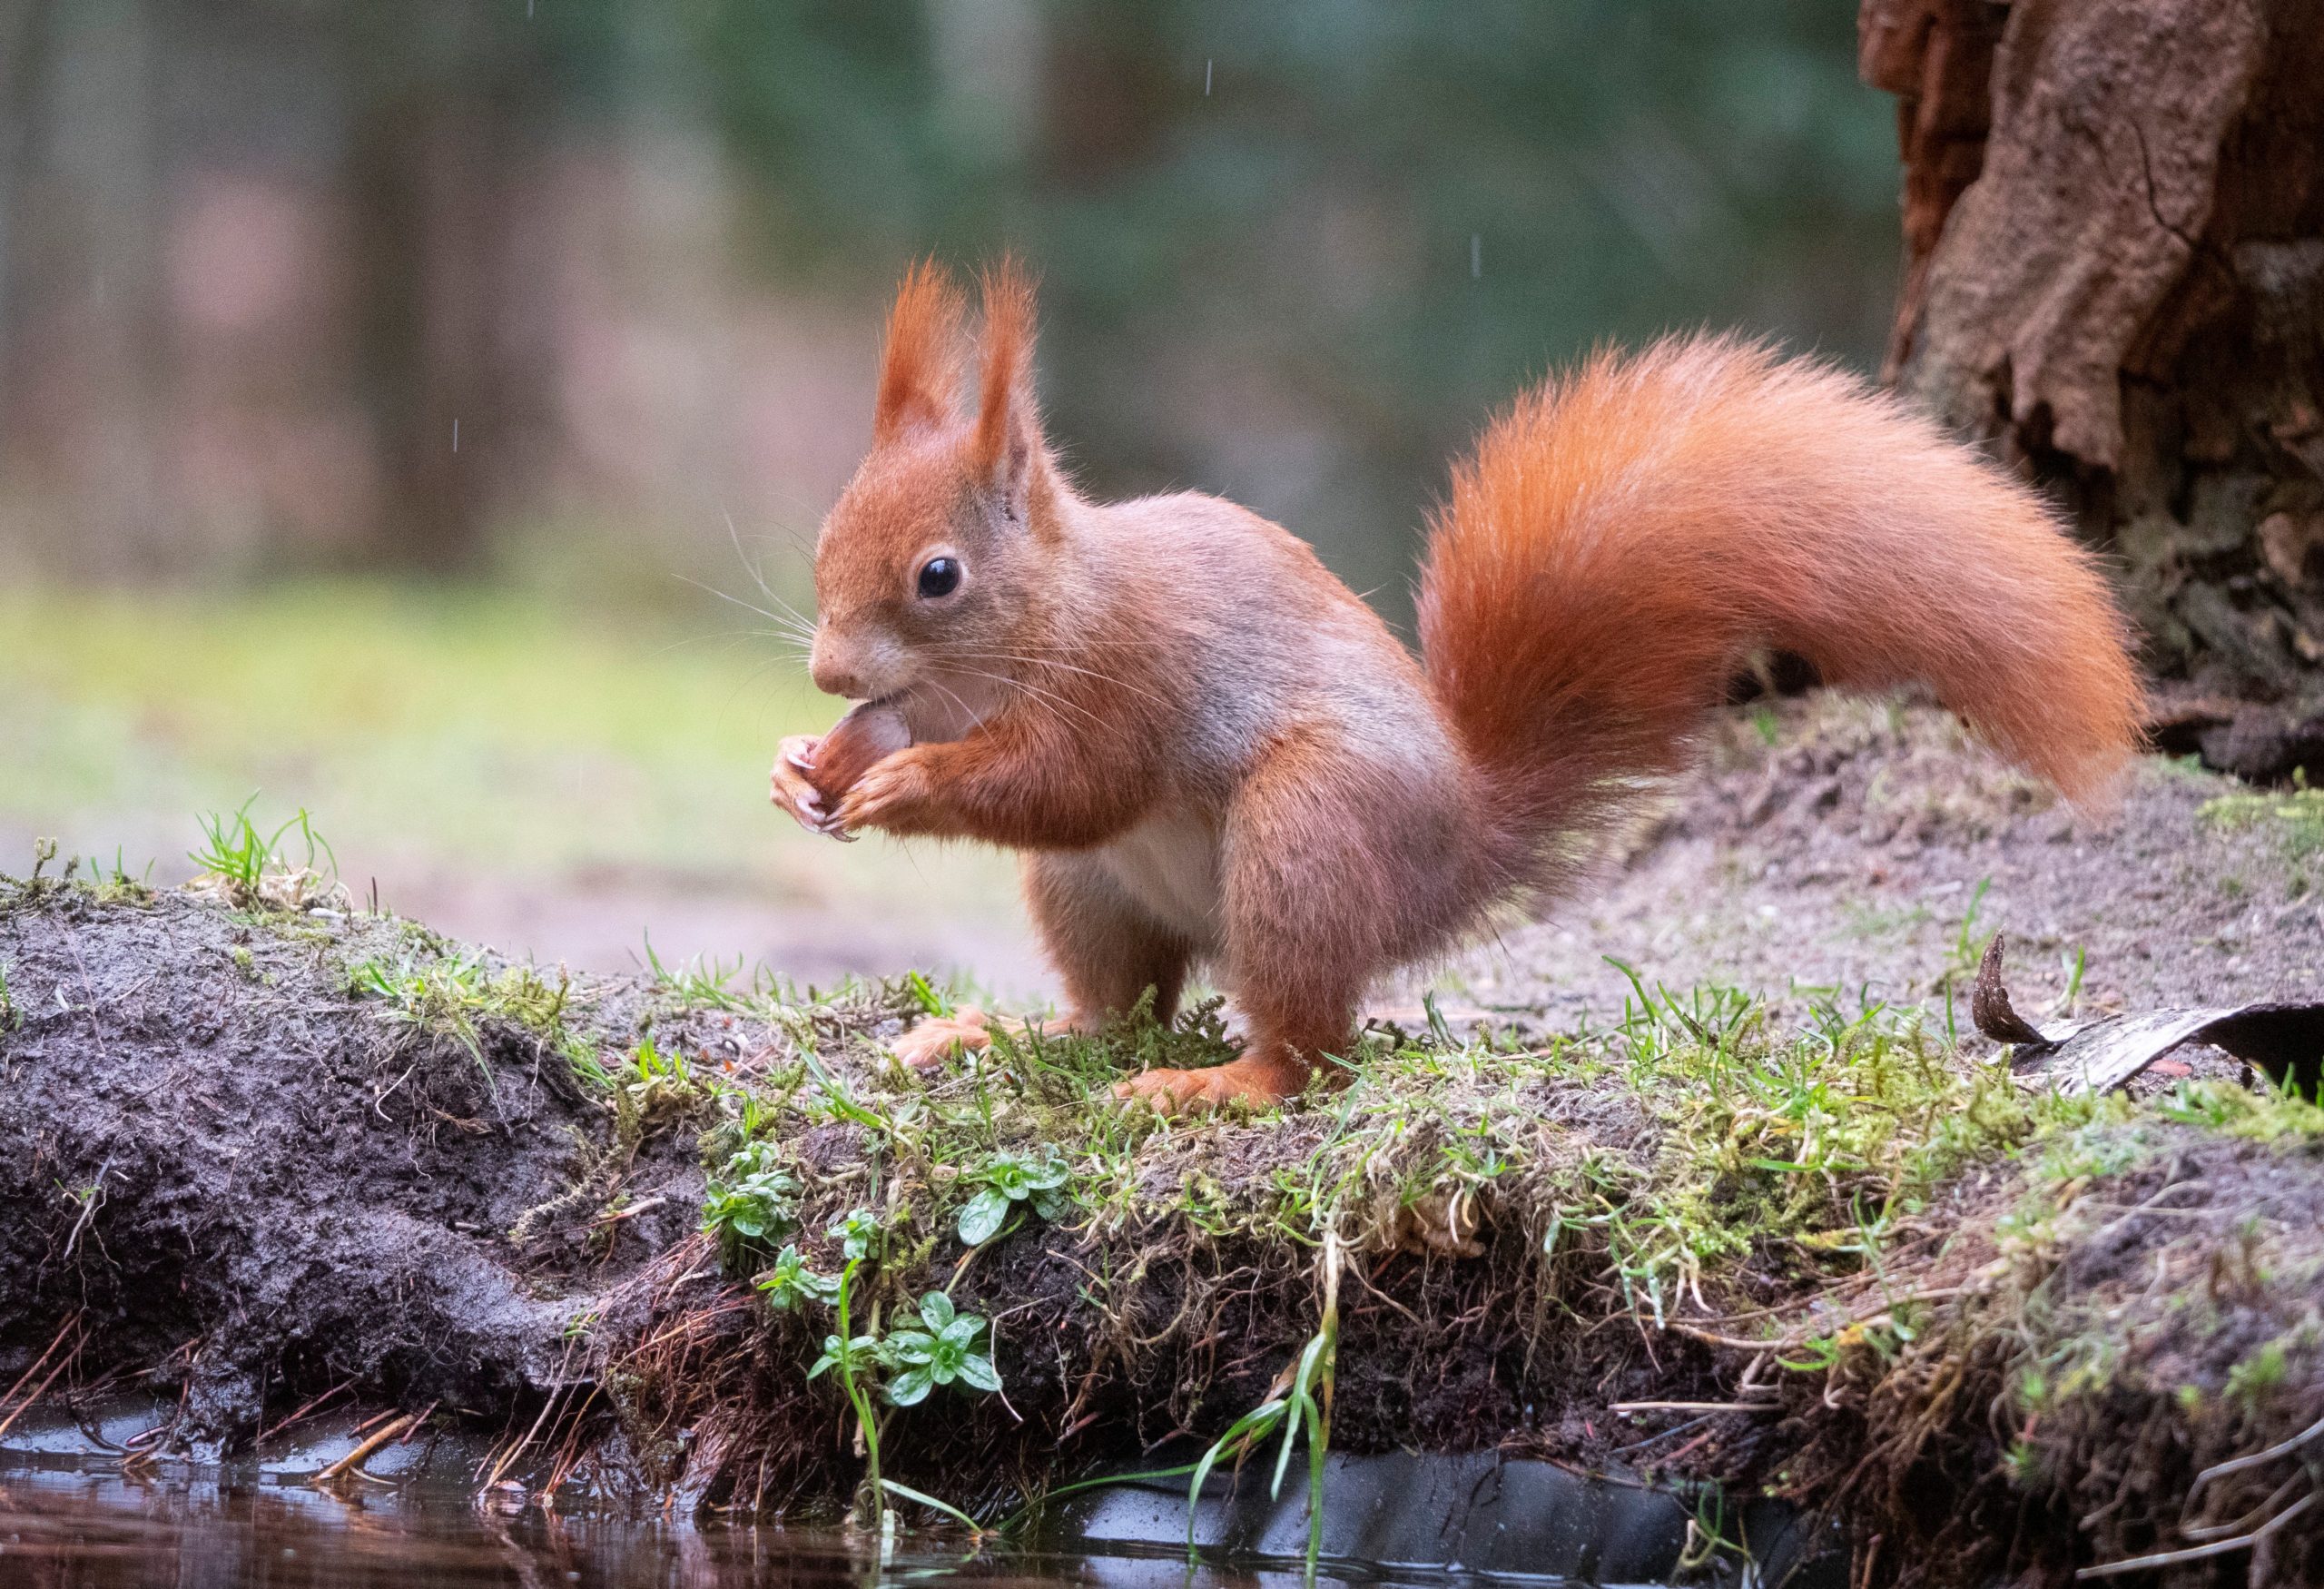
(430,985)
(2294,817)
(1684,1146)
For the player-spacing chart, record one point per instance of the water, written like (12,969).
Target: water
(97,1531)
(70,1518)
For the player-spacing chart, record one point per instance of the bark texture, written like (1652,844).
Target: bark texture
(2113,218)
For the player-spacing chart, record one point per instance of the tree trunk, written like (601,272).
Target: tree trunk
(2114,217)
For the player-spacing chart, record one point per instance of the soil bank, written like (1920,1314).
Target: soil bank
(258,1148)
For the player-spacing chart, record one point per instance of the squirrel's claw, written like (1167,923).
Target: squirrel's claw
(788,786)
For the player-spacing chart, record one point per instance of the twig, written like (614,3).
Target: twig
(1797,1340)
(1665,1434)
(1695,1406)
(90,1203)
(281,1423)
(2281,1448)
(353,1460)
(2259,1514)
(42,1389)
(2171,1559)
(616,1216)
(54,1341)
(510,1457)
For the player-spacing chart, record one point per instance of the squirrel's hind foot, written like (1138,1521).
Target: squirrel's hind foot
(966,1031)
(1253,1079)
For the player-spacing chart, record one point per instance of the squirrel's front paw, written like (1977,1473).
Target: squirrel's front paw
(893,796)
(792,789)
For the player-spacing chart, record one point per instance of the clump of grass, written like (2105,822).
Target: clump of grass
(255,869)
(432,988)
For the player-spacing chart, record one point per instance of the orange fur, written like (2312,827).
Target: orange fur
(920,361)
(1621,539)
(1213,752)
(1005,397)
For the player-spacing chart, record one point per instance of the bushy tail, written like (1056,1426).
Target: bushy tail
(1627,534)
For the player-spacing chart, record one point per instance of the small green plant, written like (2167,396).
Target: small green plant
(788,1282)
(698,984)
(856,1233)
(442,992)
(856,1357)
(2252,1378)
(10,1018)
(254,868)
(1968,952)
(1303,1403)
(1006,1179)
(852,1354)
(2296,815)
(925,995)
(1707,1537)
(652,1078)
(751,1201)
(950,1347)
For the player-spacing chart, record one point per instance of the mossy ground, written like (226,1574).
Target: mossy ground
(1995,1330)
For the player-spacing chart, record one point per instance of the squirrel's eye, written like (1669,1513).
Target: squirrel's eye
(939,576)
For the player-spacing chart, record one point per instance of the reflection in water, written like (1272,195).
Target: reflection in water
(88,1531)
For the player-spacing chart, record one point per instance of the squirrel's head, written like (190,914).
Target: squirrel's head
(928,567)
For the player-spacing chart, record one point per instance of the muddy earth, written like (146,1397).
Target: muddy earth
(258,1152)
(1833,848)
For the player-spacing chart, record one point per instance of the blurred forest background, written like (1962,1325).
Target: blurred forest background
(381,385)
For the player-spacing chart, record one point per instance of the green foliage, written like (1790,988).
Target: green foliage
(924,995)
(1006,1179)
(853,1355)
(254,867)
(1393,220)
(751,1203)
(788,1283)
(2250,1380)
(451,993)
(857,1233)
(10,1016)
(650,1081)
(1301,1408)
(2296,815)
(949,1346)
(2293,818)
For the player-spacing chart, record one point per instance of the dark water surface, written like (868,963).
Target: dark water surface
(100,1531)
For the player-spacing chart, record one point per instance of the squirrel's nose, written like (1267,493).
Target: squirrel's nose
(831,674)
(834,680)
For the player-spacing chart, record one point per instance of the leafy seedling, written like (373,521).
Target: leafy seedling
(855,1234)
(948,1350)
(789,1282)
(857,1356)
(749,1203)
(1006,1179)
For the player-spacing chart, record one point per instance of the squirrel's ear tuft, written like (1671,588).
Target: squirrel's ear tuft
(919,367)
(1007,449)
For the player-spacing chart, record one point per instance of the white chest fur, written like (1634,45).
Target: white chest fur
(1169,865)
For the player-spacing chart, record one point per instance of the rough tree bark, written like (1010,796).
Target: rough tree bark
(2114,217)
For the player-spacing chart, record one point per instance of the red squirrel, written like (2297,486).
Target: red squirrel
(1211,751)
